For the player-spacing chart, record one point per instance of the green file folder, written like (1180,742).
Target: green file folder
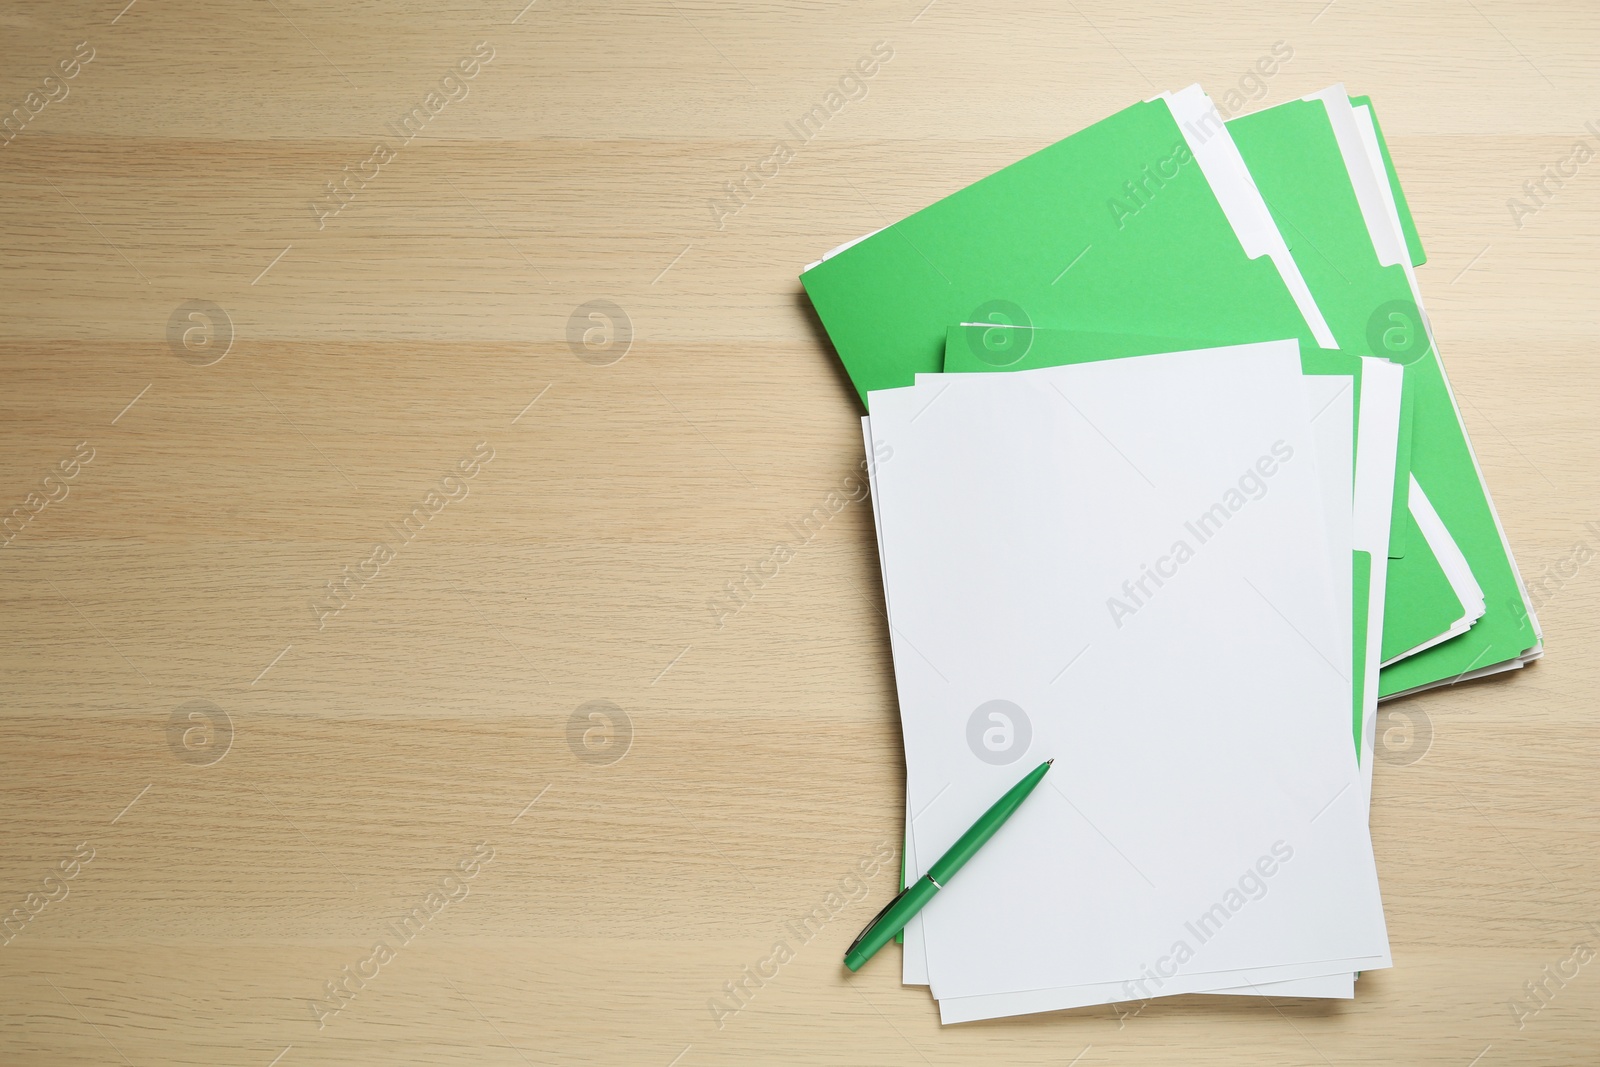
(1115,228)
(1445,467)
(1294,156)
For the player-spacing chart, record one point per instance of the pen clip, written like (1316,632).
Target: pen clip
(867,929)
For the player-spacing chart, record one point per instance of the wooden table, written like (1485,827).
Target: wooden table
(392,394)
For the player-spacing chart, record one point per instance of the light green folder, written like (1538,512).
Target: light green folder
(1450,475)
(1295,160)
(1044,242)
(1292,153)
(1115,229)
(1294,156)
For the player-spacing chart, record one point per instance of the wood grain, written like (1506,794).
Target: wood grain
(367,753)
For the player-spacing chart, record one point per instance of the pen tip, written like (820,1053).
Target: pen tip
(1049,761)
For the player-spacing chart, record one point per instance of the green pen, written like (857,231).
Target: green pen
(914,897)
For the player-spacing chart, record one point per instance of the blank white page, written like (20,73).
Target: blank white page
(1031,513)
(1330,401)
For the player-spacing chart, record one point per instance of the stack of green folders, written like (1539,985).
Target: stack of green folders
(1166,252)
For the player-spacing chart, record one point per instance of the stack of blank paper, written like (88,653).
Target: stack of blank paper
(1170,487)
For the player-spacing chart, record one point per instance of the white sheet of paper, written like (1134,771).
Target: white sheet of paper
(1210,430)
(1376,455)
(914,960)
(1027,1002)
(1330,402)
(1379,419)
